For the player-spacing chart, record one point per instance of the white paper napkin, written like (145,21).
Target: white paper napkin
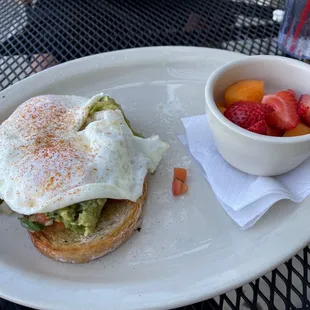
(244,197)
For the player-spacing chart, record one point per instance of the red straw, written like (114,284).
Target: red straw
(303,17)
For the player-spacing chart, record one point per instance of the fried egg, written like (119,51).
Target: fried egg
(47,162)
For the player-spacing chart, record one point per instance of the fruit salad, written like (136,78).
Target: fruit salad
(281,114)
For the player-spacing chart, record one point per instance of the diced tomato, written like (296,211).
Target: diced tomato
(178,187)
(40,218)
(180,174)
(58,226)
(55,227)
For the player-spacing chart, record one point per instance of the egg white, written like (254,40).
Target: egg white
(47,162)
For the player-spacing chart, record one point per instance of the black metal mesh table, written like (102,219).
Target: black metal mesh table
(36,34)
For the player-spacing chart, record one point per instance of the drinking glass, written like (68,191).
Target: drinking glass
(294,35)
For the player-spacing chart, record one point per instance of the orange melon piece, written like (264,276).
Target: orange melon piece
(222,109)
(246,90)
(221,104)
(300,130)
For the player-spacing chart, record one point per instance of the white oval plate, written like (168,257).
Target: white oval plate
(188,249)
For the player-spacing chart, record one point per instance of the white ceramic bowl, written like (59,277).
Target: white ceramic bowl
(249,152)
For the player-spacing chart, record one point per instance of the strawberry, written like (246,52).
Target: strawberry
(274,132)
(259,127)
(246,113)
(292,92)
(285,115)
(303,108)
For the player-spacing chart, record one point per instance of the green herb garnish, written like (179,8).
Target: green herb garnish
(32,226)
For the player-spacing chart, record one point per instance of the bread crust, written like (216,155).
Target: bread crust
(119,219)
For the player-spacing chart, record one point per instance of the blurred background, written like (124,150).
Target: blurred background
(35,34)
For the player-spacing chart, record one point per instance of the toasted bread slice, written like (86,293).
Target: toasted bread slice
(119,219)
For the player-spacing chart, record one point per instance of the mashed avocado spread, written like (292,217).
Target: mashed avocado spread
(107,103)
(82,217)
